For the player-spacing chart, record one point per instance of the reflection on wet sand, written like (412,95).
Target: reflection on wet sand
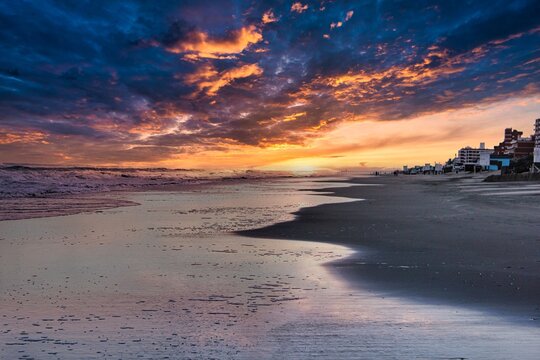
(167,279)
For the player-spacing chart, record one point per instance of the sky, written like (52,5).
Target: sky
(263,84)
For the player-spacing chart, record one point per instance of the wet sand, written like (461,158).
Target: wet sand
(53,204)
(165,279)
(171,278)
(30,208)
(437,239)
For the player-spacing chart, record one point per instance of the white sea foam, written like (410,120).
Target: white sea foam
(22,181)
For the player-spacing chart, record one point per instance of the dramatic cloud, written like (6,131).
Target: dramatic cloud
(269,17)
(198,44)
(210,81)
(145,82)
(21,137)
(299,7)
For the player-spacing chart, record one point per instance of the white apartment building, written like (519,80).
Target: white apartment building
(471,156)
(537,141)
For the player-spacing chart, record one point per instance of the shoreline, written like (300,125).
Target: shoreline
(391,227)
(45,207)
(175,260)
(424,238)
(64,204)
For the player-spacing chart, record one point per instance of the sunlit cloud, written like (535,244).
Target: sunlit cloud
(175,83)
(338,24)
(299,7)
(10,137)
(269,17)
(294,116)
(198,44)
(210,81)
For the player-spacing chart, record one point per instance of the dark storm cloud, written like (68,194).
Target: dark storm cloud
(505,21)
(178,31)
(161,77)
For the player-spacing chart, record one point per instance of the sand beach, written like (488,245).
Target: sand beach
(226,271)
(441,238)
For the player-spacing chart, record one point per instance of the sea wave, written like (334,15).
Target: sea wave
(30,181)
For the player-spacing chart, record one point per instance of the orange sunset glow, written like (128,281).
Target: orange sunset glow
(301,86)
(270,179)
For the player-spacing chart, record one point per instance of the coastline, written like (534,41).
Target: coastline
(431,238)
(42,207)
(419,237)
(41,191)
(175,259)
(168,277)
(63,204)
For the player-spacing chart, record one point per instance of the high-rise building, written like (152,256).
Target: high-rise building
(515,145)
(537,141)
(537,133)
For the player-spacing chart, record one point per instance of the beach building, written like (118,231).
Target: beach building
(499,162)
(524,147)
(485,160)
(537,141)
(515,145)
(537,133)
(415,170)
(535,168)
(469,156)
(507,146)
